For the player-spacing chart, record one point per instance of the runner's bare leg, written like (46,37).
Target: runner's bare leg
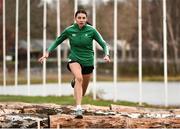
(86,79)
(76,70)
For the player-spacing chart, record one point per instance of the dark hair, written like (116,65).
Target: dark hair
(80,11)
(84,12)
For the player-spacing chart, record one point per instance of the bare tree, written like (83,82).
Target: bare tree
(172,22)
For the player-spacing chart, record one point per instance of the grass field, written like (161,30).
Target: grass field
(69,100)
(63,100)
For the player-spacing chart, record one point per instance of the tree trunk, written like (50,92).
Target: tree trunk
(174,44)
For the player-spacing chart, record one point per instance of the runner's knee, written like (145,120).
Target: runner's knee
(79,79)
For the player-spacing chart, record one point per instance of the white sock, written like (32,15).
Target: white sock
(78,107)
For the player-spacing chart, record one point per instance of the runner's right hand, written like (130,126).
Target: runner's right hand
(44,57)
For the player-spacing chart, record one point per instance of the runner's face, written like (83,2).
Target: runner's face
(81,19)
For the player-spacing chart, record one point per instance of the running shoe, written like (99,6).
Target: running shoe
(79,114)
(73,83)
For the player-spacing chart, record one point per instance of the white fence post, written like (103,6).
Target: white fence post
(59,47)
(4,44)
(75,5)
(115,51)
(95,54)
(28,46)
(16,44)
(165,52)
(140,49)
(44,44)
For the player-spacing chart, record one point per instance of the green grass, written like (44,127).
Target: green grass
(63,100)
(69,100)
(37,99)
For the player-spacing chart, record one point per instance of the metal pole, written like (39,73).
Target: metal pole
(115,51)
(59,47)
(75,5)
(95,54)
(16,44)
(4,43)
(165,52)
(140,49)
(44,44)
(28,46)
